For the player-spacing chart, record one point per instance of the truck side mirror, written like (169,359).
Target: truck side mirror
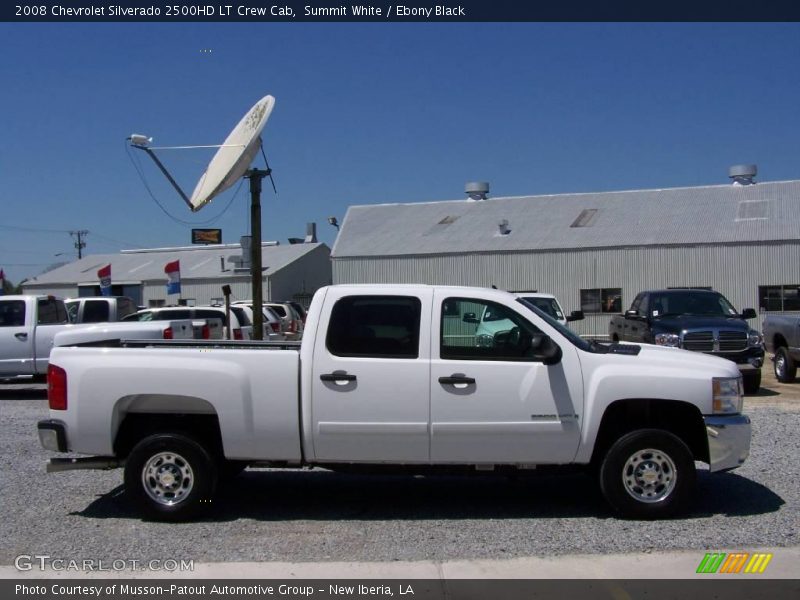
(549,351)
(749,313)
(470,318)
(632,314)
(576,315)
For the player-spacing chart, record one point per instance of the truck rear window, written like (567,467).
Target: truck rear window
(375,326)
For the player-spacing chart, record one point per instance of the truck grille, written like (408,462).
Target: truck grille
(699,341)
(732,341)
(715,341)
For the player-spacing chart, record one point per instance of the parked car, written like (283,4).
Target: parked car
(273,326)
(99,309)
(782,337)
(379,381)
(298,308)
(693,319)
(209,321)
(292,324)
(31,325)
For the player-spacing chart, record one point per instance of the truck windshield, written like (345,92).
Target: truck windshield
(689,303)
(573,337)
(546,305)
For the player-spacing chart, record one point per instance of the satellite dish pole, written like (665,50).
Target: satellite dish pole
(232,161)
(256,176)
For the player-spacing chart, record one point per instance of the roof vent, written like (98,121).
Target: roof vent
(311,233)
(743,174)
(477,190)
(503,228)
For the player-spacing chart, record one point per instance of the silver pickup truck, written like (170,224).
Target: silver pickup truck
(782,337)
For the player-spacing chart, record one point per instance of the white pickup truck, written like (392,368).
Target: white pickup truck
(31,325)
(392,375)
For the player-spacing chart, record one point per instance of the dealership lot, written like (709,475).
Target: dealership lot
(319,516)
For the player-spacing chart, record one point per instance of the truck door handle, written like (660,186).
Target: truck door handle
(21,336)
(456,379)
(337,377)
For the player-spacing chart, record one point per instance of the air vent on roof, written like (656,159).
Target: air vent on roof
(503,228)
(743,174)
(586,218)
(448,220)
(753,210)
(477,190)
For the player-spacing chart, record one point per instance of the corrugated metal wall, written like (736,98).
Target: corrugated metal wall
(735,270)
(303,277)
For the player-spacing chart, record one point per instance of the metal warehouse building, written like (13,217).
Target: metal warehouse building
(291,272)
(594,251)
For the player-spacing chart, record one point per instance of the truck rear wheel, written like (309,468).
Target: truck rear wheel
(785,367)
(170,477)
(648,474)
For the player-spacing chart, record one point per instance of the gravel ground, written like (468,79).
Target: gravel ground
(317,516)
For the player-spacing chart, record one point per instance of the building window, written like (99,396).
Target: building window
(779,297)
(376,326)
(601,300)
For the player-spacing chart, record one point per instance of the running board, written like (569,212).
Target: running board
(56,465)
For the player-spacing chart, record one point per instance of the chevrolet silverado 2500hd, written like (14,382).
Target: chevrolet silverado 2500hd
(394,375)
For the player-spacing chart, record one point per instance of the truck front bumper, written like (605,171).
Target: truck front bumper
(728,441)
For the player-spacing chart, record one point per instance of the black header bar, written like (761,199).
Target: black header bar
(411,11)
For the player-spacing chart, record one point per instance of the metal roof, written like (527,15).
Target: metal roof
(133,266)
(679,216)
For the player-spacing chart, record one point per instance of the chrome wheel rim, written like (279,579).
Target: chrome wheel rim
(780,365)
(167,478)
(649,476)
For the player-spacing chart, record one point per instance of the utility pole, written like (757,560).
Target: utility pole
(79,244)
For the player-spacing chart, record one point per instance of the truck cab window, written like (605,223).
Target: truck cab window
(486,331)
(12,313)
(95,311)
(375,326)
(49,313)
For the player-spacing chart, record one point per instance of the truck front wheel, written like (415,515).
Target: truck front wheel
(785,367)
(648,474)
(170,477)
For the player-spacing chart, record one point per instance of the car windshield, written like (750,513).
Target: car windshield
(546,305)
(573,337)
(688,303)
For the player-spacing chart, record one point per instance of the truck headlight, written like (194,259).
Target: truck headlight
(668,339)
(727,395)
(754,339)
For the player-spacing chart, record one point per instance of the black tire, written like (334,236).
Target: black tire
(784,365)
(642,455)
(751,381)
(188,477)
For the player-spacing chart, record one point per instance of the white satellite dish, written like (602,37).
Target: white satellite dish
(234,156)
(232,161)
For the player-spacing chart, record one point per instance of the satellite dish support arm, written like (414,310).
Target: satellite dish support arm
(174,183)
